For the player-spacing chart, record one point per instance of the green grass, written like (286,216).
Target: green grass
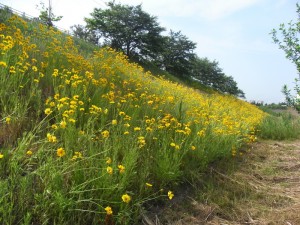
(280,126)
(82,131)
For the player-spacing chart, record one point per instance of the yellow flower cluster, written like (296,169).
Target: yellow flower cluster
(106,106)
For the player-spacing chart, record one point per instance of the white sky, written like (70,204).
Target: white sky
(233,32)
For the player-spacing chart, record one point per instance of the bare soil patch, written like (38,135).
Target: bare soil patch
(263,189)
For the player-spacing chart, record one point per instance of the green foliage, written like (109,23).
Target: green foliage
(188,81)
(280,126)
(47,16)
(82,32)
(291,100)
(210,74)
(5,14)
(273,110)
(177,54)
(288,41)
(128,29)
(88,138)
(137,34)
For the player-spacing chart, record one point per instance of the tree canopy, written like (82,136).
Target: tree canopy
(177,53)
(287,38)
(85,33)
(138,35)
(210,74)
(47,16)
(127,28)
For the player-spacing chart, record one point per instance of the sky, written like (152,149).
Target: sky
(236,33)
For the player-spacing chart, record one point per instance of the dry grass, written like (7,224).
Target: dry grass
(263,189)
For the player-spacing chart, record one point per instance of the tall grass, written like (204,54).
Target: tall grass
(280,126)
(89,138)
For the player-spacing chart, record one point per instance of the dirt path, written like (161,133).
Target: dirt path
(264,189)
(272,171)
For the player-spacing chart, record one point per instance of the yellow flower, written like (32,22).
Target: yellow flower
(126,125)
(137,129)
(114,122)
(121,168)
(48,111)
(60,152)
(105,133)
(12,69)
(7,120)
(34,68)
(170,98)
(77,155)
(59,106)
(73,102)
(29,152)
(127,117)
(72,120)
(75,97)
(201,133)
(51,138)
(149,129)
(109,170)
(126,198)
(170,195)
(233,152)
(193,147)
(141,141)
(108,210)
(1,156)
(108,160)
(3,64)
(149,185)
(63,124)
(56,96)
(55,73)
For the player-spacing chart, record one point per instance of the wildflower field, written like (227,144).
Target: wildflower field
(89,138)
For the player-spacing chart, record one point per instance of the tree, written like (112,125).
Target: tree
(210,74)
(47,16)
(205,71)
(127,28)
(177,54)
(229,85)
(288,41)
(291,100)
(84,33)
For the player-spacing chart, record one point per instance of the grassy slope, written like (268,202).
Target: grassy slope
(260,188)
(89,137)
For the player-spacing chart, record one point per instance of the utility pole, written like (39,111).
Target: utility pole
(49,11)
(49,22)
